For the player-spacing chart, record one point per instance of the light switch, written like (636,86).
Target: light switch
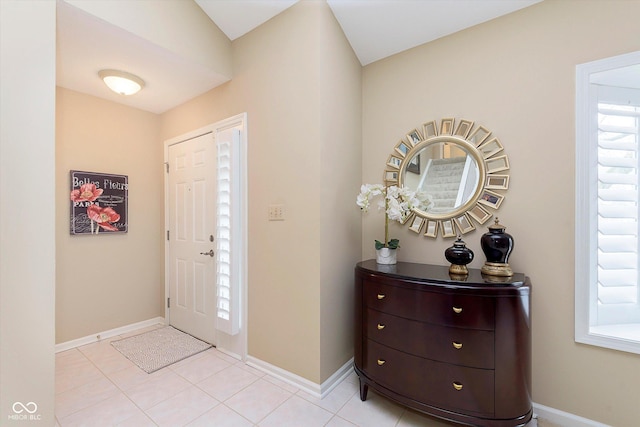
(276,212)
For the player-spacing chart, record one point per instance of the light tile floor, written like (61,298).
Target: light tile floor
(97,386)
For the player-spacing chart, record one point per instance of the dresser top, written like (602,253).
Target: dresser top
(440,274)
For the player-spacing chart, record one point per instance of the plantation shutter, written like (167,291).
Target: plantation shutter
(228,287)
(617,207)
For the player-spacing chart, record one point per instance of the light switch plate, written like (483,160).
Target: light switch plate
(276,212)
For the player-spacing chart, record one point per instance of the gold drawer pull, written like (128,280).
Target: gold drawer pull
(380,327)
(381,362)
(457,310)
(381,296)
(457,386)
(457,345)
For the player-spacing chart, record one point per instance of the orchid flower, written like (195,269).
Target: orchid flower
(397,204)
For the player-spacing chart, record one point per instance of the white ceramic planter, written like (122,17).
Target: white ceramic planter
(386,256)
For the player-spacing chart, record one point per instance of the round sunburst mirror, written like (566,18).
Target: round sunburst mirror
(461,168)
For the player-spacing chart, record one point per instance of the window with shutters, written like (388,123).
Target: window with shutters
(607,209)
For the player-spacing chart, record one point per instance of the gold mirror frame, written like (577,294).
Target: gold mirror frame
(492,167)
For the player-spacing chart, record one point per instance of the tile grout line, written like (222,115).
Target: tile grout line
(107,377)
(81,385)
(116,385)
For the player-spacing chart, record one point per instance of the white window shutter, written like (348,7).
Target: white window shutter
(228,261)
(617,210)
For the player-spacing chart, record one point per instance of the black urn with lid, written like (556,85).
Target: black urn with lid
(497,246)
(459,256)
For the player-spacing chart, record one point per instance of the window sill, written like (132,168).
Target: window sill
(624,337)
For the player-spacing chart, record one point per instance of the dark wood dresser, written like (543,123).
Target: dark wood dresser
(455,348)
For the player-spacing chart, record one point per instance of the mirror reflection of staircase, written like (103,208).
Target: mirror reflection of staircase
(441,180)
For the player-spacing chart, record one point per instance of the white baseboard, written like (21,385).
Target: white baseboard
(334,380)
(68,345)
(565,419)
(229,353)
(316,390)
(556,416)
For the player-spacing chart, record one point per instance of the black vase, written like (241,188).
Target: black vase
(497,246)
(459,256)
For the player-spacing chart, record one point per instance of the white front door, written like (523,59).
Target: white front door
(192,228)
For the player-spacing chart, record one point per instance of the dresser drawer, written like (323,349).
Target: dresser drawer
(439,384)
(474,348)
(449,309)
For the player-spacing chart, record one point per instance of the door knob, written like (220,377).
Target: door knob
(210,253)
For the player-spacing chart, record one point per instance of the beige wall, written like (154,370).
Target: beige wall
(27,193)
(340,131)
(516,76)
(277,77)
(108,281)
(294,101)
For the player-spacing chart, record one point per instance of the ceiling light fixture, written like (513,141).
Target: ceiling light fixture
(121,82)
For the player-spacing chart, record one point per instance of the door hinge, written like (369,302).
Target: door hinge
(168,302)
(167,234)
(167,166)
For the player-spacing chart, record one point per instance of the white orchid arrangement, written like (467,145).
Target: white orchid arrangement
(397,204)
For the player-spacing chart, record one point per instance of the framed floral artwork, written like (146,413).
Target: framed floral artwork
(98,203)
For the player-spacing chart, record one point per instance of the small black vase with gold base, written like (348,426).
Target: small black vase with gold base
(459,256)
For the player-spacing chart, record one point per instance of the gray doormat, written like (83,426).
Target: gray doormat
(156,349)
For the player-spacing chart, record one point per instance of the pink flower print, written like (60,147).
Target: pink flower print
(86,193)
(103,217)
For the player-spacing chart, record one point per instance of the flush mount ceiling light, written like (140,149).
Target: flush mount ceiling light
(121,82)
